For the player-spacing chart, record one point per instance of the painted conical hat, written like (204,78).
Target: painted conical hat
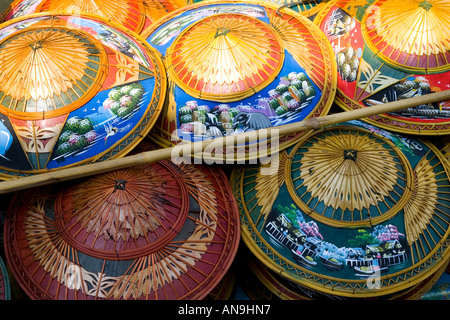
(308,8)
(135,15)
(157,232)
(389,51)
(350,210)
(127,13)
(74,89)
(237,66)
(156,9)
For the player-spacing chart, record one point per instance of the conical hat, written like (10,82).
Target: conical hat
(157,232)
(388,51)
(74,89)
(307,8)
(135,15)
(237,66)
(350,210)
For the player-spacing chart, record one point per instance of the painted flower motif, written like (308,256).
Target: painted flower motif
(107,104)
(125,90)
(65,136)
(192,104)
(125,101)
(203,108)
(282,88)
(424,86)
(63,148)
(124,111)
(420,79)
(85,125)
(73,121)
(222,107)
(187,127)
(273,93)
(90,136)
(136,92)
(409,83)
(115,106)
(74,138)
(115,94)
(186,118)
(185,110)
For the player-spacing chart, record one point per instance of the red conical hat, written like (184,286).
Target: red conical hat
(157,232)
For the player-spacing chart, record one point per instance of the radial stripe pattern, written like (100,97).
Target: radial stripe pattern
(182,229)
(226,55)
(44,70)
(349,176)
(413,33)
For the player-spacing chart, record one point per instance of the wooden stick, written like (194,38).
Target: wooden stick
(65,174)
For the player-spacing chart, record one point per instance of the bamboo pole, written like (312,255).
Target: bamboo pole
(65,174)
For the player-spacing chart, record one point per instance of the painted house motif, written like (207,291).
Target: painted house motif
(371,251)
